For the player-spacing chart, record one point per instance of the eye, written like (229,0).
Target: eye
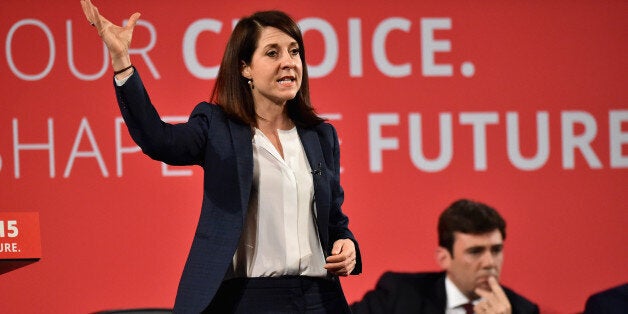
(476,251)
(272,53)
(295,51)
(497,249)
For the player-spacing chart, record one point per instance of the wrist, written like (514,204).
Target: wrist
(120,62)
(121,66)
(124,73)
(125,69)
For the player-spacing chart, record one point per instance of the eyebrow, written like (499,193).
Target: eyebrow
(275,45)
(482,247)
(475,248)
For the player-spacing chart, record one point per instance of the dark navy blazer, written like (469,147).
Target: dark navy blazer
(223,147)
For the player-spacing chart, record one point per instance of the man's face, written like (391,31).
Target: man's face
(475,258)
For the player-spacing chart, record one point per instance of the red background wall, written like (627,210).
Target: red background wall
(116,228)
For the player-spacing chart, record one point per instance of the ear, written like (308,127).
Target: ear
(443,257)
(245,70)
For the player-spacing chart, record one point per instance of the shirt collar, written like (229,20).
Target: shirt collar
(455,297)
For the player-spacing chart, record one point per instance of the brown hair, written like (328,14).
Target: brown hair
(469,217)
(231,90)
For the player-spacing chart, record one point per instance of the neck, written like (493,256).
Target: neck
(273,117)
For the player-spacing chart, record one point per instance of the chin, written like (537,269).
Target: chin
(289,97)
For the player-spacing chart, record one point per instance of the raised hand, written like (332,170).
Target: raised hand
(116,38)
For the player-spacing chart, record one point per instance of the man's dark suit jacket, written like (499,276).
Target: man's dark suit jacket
(224,149)
(611,301)
(420,293)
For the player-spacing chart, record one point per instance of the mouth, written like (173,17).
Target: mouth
(483,280)
(287,80)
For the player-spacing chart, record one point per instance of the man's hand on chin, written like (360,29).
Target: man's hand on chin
(493,301)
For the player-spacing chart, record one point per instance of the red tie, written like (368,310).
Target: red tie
(468,307)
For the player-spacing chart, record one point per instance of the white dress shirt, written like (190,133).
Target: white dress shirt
(280,236)
(455,298)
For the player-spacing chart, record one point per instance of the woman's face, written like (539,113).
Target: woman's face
(275,69)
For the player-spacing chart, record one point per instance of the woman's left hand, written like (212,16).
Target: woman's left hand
(116,38)
(342,260)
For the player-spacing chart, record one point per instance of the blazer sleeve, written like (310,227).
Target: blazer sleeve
(175,144)
(338,221)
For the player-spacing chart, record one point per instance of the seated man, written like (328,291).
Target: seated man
(470,238)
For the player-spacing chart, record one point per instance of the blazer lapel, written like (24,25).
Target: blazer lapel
(314,153)
(243,148)
(440,293)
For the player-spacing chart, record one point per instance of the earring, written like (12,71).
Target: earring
(251,83)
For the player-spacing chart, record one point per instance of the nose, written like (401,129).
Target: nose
(288,64)
(288,61)
(488,260)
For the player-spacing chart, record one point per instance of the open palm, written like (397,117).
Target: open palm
(116,38)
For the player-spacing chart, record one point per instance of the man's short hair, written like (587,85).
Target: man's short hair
(467,216)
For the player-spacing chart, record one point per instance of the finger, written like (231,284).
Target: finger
(341,258)
(334,265)
(483,293)
(497,289)
(348,264)
(481,307)
(478,308)
(343,273)
(337,247)
(339,271)
(87,11)
(91,13)
(338,265)
(494,301)
(97,21)
(351,268)
(335,258)
(133,20)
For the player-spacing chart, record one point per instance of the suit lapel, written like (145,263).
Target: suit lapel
(440,293)
(314,153)
(243,148)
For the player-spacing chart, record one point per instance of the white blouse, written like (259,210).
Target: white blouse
(280,236)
